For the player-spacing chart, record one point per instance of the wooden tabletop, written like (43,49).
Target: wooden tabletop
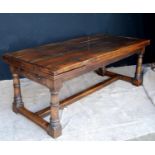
(64,56)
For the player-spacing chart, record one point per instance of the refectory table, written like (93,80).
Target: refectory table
(52,64)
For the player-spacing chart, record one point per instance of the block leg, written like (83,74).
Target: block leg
(138,74)
(54,128)
(17,103)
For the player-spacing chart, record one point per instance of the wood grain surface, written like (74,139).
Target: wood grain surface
(57,58)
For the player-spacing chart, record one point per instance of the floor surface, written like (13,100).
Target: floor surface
(119,111)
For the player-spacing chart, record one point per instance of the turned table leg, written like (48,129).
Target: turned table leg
(138,74)
(17,103)
(54,128)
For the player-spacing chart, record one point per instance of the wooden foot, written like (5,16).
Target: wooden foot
(101,71)
(137,81)
(54,128)
(54,132)
(17,103)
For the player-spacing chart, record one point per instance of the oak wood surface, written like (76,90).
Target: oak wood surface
(56,58)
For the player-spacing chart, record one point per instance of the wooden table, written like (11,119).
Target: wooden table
(52,64)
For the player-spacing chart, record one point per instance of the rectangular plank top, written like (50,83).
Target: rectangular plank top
(75,53)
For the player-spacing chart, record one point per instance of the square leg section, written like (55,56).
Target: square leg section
(54,128)
(17,103)
(138,79)
(54,131)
